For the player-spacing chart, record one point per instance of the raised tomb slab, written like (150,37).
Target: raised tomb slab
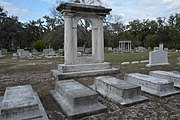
(20,103)
(156,86)
(171,76)
(75,99)
(82,70)
(118,91)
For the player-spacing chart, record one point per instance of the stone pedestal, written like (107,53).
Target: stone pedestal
(156,86)
(21,103)
(75,99)
(82,70)
(171,76)
(118,91)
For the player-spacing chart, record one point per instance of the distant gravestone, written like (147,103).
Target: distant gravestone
(110,49)
(115,50)
(52,53)
(141,49)
(34,51)
(61,50)
(19,51)
(88,50)
(1,56)
(166,49)
(80,49)
(25,54)
(46,51)
(158,57)
(156,48)
(15,56)
(4,51)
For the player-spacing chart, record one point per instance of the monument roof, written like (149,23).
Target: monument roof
(77,7)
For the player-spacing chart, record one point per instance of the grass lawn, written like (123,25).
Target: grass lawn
(128,57)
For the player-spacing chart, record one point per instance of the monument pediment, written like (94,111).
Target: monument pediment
(75,8)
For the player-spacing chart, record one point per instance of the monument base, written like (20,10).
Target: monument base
(158,64)
(82,70)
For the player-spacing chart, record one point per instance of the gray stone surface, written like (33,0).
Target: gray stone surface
(20,102)
(59,75)
(75,99)
(156,86)
(84,67)
(118,91)
(158,57)
(171,76)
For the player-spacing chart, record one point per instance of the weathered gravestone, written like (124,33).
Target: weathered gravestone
(171,76)
(116,50)
(25,54)
(75,99)
(75,66)
(19,51)
(156,86)
(46,51)
(4,51)
(1,56)
(14,56)
(21,103)
(158,57)
(118,91)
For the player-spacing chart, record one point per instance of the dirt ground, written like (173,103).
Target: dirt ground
(37,74)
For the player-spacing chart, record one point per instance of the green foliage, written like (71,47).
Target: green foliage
(39,45)
(178,47)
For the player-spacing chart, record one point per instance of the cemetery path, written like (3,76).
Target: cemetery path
(37,74)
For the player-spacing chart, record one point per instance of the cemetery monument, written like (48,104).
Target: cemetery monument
(75,66)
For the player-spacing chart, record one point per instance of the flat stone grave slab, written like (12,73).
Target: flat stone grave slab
(20,103)
(82,70)
(171,76)
(156,86)
(118,91)
(75,99)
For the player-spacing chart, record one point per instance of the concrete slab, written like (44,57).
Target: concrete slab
(156,86)
(75,99)
(60,76)
(134,62)
(171,76)
(20,102)
(84,67)
(118,91)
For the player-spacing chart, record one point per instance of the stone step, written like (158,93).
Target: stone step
(118,91)
(20,102)
(156,86)
(84,67)
(171,76)
(60,76)
(75,99)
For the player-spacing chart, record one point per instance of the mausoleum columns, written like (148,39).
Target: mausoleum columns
(100,42)
(95,44)
(70,42)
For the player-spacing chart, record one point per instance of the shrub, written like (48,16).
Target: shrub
(178,47)
(39,45)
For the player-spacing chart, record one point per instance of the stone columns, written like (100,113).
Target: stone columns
(70,41)
(95,44)
(100,42)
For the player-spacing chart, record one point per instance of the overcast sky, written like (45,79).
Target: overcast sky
(27,10)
